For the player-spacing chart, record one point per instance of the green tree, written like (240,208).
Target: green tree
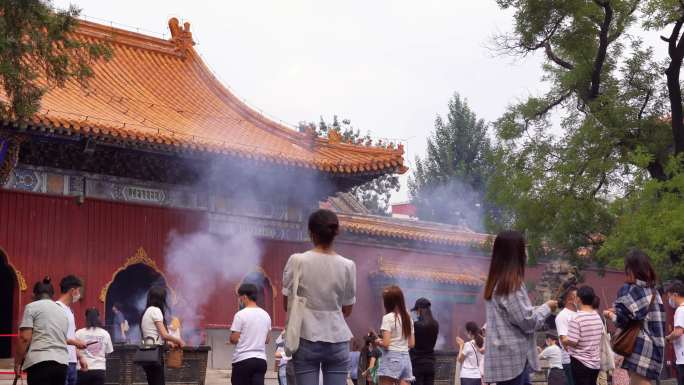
(38,51)
(375,195)
(449,184)
(568,184)
(651,219)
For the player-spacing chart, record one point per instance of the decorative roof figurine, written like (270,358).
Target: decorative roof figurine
(181,36)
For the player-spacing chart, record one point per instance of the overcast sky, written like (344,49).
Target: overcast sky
(389,66)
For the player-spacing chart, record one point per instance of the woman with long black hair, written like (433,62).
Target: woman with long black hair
(510,350)
(426,329)
(153,330)
(99,344)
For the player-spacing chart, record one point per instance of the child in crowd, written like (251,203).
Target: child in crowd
(554,356)
(99,344)
(370,359)
(471,354)
(397,338)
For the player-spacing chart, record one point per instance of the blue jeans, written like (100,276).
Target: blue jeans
(332,359)
(282,374)
(72,374)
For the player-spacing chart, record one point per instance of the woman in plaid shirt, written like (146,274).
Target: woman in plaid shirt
(510,350)
(634,304)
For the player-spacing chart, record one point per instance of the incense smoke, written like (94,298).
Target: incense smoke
(453,202)
(201,262)
(228,245)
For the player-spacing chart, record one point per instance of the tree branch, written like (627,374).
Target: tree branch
(675,50)
(643,106)
(555,58)
(602,49)
(623,19)
(600,185)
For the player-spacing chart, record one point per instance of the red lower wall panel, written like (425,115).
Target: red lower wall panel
(47,235)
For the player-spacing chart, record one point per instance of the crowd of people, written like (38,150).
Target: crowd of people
(317,346)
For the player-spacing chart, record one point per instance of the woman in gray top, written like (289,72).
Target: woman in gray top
(510,350)
(42,344)
(328,283)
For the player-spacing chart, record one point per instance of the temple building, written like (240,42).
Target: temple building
(99,181)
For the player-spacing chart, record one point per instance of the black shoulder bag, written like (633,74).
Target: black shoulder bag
(148,353)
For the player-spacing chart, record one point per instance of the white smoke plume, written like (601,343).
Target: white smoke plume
(203,261)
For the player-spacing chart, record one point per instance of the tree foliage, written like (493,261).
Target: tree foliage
(448,185)
(573,163)
(651,219)
(37,52)
(376,194)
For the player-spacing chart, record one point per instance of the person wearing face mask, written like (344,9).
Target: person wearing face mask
(426,329)
(249,332)
(568,300)
(70,287)
(638,300)
(675,298)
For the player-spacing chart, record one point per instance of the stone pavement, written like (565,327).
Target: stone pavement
(214,377)
(222,377)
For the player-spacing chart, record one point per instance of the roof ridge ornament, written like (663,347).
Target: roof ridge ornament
(181,36)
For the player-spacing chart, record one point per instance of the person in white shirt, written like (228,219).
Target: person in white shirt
(99,344)
(554,356)
(675,298)
(70,287)
(42,343)
(397,337)
(563,318)
(327,281)
(154,332)
(249,332)
(470,355)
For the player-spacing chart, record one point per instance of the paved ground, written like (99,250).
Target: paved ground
(222,377)
(214,377)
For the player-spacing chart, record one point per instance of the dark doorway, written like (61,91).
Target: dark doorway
(264,293)
(129,289)
(8,286)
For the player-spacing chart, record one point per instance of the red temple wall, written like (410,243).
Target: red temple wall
(49,235)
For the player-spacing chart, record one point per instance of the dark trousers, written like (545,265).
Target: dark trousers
(567,368)
(424,373)
(581,374)
(680,374)
(46,373)
(522,378)
(556,377)
(290,373)
(249,372)
(91,377)
(155,374)
(471,381)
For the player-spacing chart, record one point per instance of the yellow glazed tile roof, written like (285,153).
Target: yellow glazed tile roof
(415,271)
(159,92)
(411,230)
